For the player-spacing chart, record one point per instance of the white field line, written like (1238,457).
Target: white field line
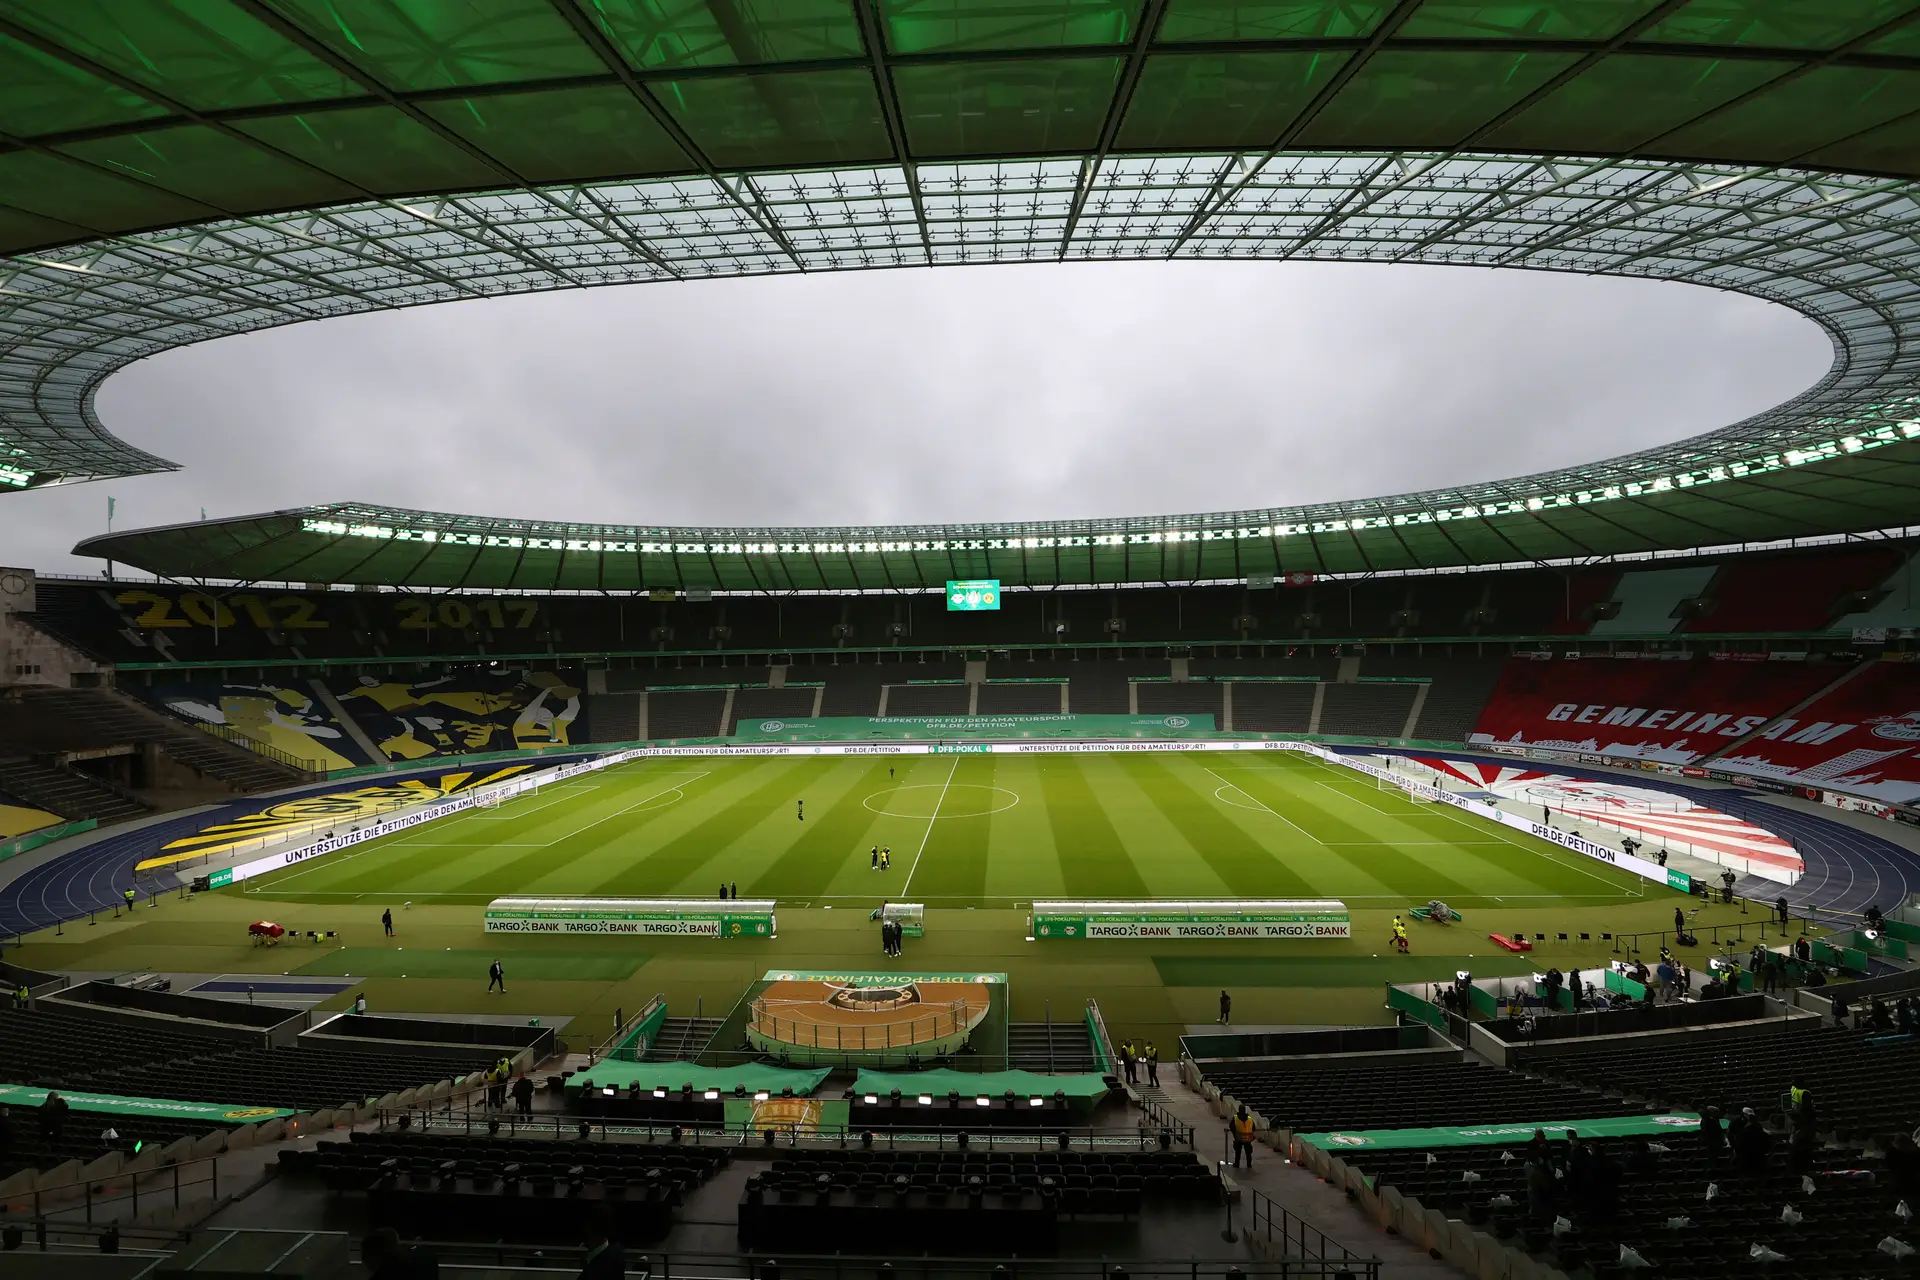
(1267,808)
(372,844)
(935,817)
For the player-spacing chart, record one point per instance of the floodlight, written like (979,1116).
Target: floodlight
(761,1096)
(871,1099)
(659,1092)
(926,1099)
(1036,1102)
(711,1095)
(983,1102)
(610,1090)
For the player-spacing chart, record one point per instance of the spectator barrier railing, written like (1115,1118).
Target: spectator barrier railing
(1292,1243)
(107,1198)
(265,750)
(1160,1130)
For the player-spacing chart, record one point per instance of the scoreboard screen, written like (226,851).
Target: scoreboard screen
(965,595)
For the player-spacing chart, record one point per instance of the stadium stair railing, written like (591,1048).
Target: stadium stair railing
(1298,1248)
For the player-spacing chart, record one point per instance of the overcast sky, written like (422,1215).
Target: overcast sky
(984,393)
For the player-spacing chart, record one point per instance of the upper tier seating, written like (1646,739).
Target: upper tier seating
(1402,1095)
(467,712)
(149,623)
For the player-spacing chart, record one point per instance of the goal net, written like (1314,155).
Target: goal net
(489,800)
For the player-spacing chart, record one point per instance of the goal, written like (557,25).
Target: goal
(488,800)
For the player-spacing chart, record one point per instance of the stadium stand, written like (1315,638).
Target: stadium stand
(1262,707)
(58,1049)
(852,688)
(151,623)
(1384,1094)
(18,817)
(1019,699)
(1458,688)
(1652,601)
(156,1058)
(926,699)
(999,1201)
(1859,735)
(1101,688)
(306,1078)
(1182,698)
(1747,594)
(463,712)
(67,791)
(42,721)
(1636,708)
(289,717)
(27,1143)
(685,713)
(613,717)
(1371,709)
(518,1189)
(762,704)
(1617,1193)
(1866,1084)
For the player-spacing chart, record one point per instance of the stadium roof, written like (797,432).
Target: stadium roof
(181,170)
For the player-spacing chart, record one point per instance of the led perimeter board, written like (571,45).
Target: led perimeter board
(1232,918)
(671,917)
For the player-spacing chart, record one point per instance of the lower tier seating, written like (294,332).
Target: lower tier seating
(1624,1193)
(1411,1095)
(1863,1084)
(528,1190)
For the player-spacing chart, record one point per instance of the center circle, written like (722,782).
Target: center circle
(957,800)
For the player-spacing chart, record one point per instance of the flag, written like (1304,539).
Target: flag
(203,513)
(110,502)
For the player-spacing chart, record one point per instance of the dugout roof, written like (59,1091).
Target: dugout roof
(179,170)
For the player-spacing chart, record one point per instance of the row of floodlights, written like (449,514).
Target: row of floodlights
(1873,437)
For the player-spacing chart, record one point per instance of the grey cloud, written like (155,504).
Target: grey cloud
(1023,392)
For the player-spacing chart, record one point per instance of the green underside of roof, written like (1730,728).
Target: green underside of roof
(1868,490)
(119,117)
(175,171)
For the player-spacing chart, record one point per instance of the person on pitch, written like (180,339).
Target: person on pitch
(876,857)
(800,810)
(496,977)
(886,857)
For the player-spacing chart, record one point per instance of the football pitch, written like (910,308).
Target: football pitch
(965,830)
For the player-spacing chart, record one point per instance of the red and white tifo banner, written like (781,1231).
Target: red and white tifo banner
(1657,818)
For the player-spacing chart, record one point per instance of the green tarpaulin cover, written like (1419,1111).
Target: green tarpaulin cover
(19,1095)
(672,1075)
(973,1084)
(1508,1134)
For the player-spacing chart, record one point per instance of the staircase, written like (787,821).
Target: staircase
(67,792)
(1049,1046)
(111,716)
(682,1039)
